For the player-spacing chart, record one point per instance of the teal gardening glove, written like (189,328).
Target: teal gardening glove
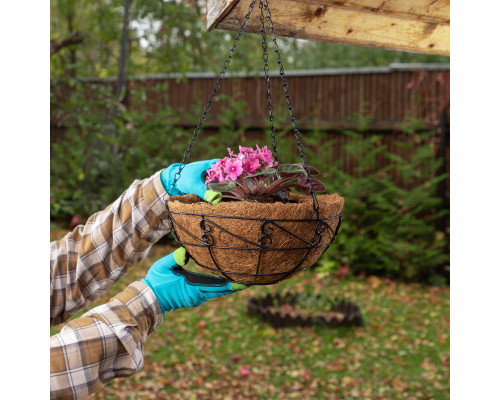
(192,180)
(176,287)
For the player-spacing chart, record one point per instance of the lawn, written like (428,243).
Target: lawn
(217,351)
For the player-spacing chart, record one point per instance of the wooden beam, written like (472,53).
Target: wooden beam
(216,10)
(416,26)
(426,10)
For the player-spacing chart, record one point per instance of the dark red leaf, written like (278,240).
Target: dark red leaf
(312,171)
(300,188)
(317,185)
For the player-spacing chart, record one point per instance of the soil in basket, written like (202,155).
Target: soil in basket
(262,199)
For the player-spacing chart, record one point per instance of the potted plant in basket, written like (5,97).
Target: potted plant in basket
(262,231)
(254,175)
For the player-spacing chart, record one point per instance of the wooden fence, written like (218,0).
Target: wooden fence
(328,100)
(325,99)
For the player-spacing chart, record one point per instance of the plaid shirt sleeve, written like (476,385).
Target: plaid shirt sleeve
(103,344)
(88,260)
(107,341)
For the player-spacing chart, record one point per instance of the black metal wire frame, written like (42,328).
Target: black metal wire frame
(263,243)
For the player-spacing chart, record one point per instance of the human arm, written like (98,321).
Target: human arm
(108,341)
(91,258)
(105,343)
(88,260)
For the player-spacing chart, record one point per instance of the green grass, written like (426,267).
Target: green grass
(401,352)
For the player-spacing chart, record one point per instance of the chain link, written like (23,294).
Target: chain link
(217,85)
(288,99)
(262,4)
(268,84)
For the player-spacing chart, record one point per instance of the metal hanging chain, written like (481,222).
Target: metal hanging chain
(292,112)
(268,84)
(217,85)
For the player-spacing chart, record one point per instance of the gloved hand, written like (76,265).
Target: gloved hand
(176,287)
(192,180)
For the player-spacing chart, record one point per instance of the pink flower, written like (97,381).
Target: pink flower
(246,150)
(251,165)
(223,162)
(220,175)
(212,175)
(218,170)
(216,173)
(265,155)
(233,169)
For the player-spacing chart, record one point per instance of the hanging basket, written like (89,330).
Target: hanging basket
(255,243)
(249,242)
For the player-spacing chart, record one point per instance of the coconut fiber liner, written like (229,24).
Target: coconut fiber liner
(239,239)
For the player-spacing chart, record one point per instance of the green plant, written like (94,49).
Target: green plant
(312,303)
(255,175)
(105,147)
(388,225)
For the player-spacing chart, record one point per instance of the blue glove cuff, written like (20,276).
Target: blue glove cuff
(163,310)
(190,181)
(167,177)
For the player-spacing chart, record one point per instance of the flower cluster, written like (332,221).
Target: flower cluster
(253,174)
(247,162)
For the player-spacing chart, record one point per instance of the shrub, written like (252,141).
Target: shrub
(390,213)
(105,148)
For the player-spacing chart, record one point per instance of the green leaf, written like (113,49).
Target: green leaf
(269,171)
(222,186)
(294,168)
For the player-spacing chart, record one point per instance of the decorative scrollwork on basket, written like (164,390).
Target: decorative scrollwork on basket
(265,240)
(321,226)
(207,230)
(267,244)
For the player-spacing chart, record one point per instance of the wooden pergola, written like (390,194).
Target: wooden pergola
(421,26)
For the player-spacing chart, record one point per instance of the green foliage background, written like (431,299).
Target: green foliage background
(386,230)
